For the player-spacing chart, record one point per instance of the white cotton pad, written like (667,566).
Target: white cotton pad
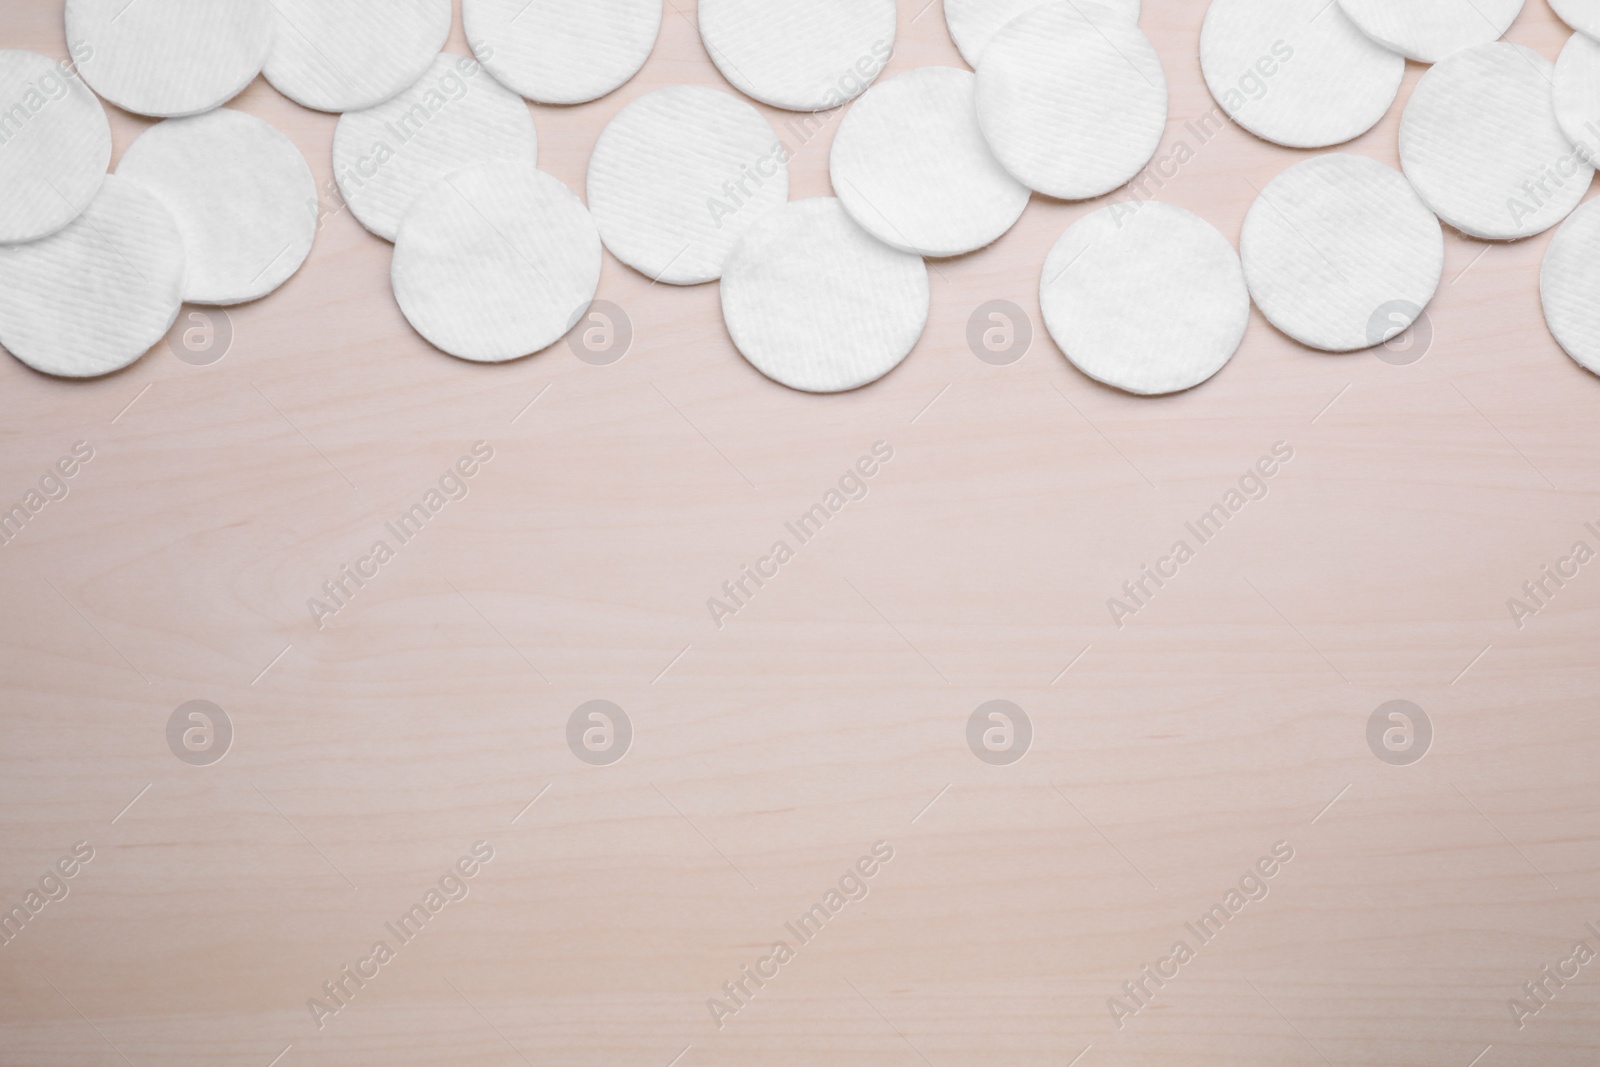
(496,262)
(678,177)
(1296,72)
(814,302)
(1429,30)
(811,56)
(55,145)
(169,57)
(455,115)
(1480,142)
(1569,284)
(1339,250)
(94,297)
(1577,93)
(1145,297)
(562,51)
(346,55)
(1072,98)
(973,23)
(911,166)
(241,194)
(1581,15)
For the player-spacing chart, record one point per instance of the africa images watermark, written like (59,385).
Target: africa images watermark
(737,192)
(852,486)
(1253,85)
(42,93)
(453,485)
(1138,592)
(54,486)
(852,886)
(1538,592)
(1541,990)
(52,888)
(453,886)
(1251,888)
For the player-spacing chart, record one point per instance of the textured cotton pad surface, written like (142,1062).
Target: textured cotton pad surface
(496,261)
(911,166)
(1581,15)
(1147,298)
(455,115)
(1577,92)
(97,295)
(803,57)
(1569,284)
(346,55)
(170,57)
(1339,250)
(1430,30)
(1072,99)
(815,303)
(55,145)
(562,51)
(973,23)
(241,194)
(678,177)
(1480,142)
(1296,72)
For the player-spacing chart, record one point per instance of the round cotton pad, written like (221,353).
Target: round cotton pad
(97,295)
(973,23)
(169,57)
(1569,284)
(678,177)
(455,115)
(562,51)
(1480,142)
(1581,15)
(1577,93)
(1072,99)
(1429,30)
(1338,250)
(802,57)
(55,145)
(346,55)
(1296,72)
(815,303)
(241,194)
(495,262)
(911,166)
(1147,298)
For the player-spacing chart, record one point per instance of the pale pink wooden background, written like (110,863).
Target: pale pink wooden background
(769,755)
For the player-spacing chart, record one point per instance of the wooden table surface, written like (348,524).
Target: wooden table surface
(374,748)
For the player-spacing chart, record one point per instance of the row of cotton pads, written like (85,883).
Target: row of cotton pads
(495,260)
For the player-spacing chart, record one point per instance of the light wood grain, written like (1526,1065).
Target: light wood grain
(770,754)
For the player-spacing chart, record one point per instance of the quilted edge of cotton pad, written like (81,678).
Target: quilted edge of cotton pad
(1583,225)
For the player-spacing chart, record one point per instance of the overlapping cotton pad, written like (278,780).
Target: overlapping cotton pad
(496,261)
(241,194)
(1296,72)
(679,176)
(346,55)
(562,51)
(55,145)
(814,302)
(1480,142)
(1339,251)
(1569,285)
(1072,98)
(95,296)
(1430,30)
(973,23)
(911,166)
(169,57)
(1145,296)
(802,57)
(1577,93)
(455,115)
(1581,15)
